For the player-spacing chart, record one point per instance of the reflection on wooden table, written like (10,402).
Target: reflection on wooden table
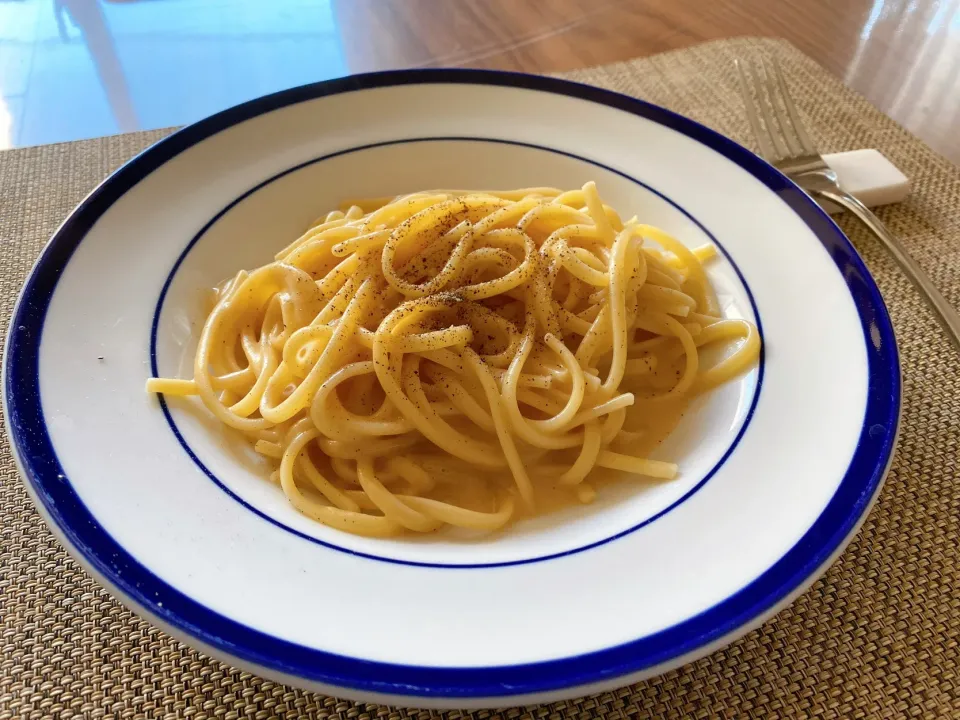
(80,68)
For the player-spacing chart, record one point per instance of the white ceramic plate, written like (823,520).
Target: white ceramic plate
(778,469)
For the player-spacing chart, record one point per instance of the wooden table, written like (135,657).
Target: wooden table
(903,55)
(97,67)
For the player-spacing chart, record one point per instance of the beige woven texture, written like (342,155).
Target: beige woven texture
(876,637)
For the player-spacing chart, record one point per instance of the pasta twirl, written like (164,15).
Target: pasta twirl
(458,358)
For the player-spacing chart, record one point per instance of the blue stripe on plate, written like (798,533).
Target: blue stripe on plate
(140,587)
(310,538)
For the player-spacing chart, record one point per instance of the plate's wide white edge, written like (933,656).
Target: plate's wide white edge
(411,700)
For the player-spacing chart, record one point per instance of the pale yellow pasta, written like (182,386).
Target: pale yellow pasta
(455,358)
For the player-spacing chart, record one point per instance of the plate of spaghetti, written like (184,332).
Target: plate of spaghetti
(452,388)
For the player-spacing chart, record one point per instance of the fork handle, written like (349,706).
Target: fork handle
(946,314)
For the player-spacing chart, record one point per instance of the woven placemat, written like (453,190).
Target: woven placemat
(876,637)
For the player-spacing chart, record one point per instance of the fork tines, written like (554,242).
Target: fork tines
(772,115)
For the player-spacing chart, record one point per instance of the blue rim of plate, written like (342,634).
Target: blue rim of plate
(155,326)
(137,585)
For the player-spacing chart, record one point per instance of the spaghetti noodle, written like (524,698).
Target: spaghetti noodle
(452,358)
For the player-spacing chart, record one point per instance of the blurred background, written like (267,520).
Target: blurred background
(72,69)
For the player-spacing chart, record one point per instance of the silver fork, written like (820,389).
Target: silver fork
(785,144)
